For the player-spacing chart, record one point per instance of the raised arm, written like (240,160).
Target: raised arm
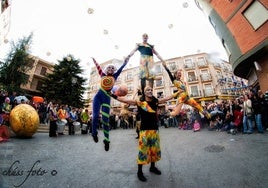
(133,51)
(168,71)
(121,68)
(97,66)
(158,56)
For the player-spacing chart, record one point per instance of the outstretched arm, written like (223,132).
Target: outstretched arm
(168,71)
(124,100)
(118,72)
(133,51)
(163,100)
(97,66)
(164,65)
(158,56)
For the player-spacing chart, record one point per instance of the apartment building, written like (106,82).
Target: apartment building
(207,79)
(36,75)
(242,26)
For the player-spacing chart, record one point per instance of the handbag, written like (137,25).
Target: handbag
(249,114)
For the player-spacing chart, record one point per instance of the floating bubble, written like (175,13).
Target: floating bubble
(116,46)
(105,32)
(90,10)
(170,26)
(6,41)
(48,53)
(69,58)
(185,5)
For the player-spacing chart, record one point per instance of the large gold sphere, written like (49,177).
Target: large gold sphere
(24,120)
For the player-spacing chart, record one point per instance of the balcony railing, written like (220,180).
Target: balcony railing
(192,79)
(188,66)
(202,64)
(195,94)
(206,77)
(209,92)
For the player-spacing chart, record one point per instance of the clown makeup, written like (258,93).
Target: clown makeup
(110,70)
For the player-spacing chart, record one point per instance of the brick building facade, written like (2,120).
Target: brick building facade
(242,27)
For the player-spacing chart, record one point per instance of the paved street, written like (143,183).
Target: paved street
(203,159)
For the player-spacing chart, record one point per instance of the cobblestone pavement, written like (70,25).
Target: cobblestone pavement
(202,159)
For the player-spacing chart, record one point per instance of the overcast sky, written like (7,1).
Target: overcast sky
(63,27)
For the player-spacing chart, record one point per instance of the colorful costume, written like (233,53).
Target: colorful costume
(146,63)
(183,96)
(102,101)
(149,140)
(146,60)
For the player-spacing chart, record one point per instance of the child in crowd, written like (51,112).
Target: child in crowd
(196,126)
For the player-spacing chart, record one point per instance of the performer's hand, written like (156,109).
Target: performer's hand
(175,95)
(112,95)
(93,59)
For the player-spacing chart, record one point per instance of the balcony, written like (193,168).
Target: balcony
(209,92)
(206,77)
(195,94)
(202,64)
(188,66)
(158,83)
(192,79)
(172,68)
(217,65)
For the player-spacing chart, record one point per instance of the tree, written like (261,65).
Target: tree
(65,85)
(13,69)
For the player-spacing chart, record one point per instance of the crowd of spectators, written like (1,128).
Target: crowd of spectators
(246,114)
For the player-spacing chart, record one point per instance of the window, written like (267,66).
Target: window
(157,69)
(201,61)
(43,71)
(172,66)
(129,76)
(256,14)
(191,76)
(160,94)
(208,90)
(159,83)
(194,91)
(188,61)
(39,85)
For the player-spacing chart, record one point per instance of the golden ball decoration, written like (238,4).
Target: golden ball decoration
(24,120)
